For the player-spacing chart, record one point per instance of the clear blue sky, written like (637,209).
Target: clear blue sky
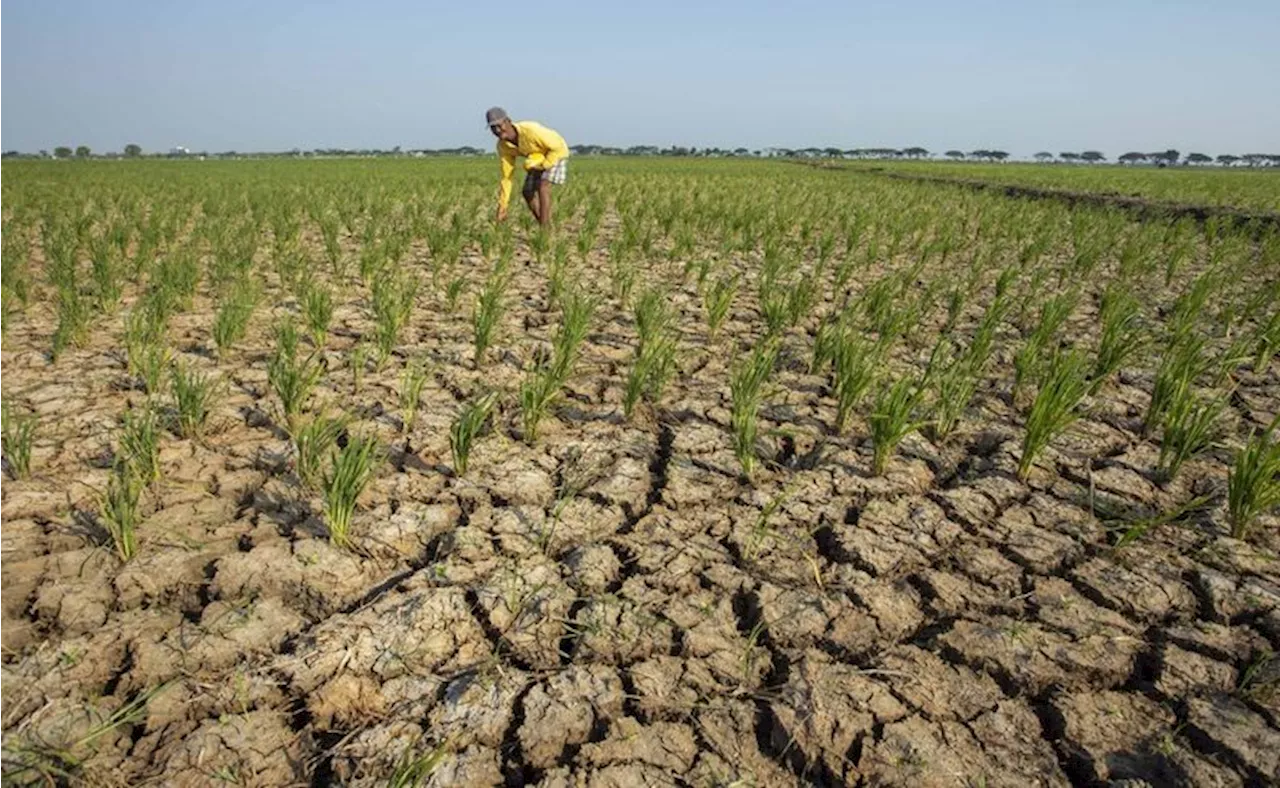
(276,74)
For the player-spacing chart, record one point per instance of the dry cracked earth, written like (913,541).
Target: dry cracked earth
(614,606)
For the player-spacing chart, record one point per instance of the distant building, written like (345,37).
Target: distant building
(178,150)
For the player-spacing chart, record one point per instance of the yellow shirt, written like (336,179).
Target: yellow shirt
(540,146)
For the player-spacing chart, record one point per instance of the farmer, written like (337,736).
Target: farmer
(544,153)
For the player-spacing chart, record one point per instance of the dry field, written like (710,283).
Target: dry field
(750,474)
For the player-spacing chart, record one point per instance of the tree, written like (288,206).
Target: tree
(1044,155)
(1168,157)
(998,155)
(915,152)
(1092,156)
(82,151)
(132,150)
(1226,159)
(954,154)
(1198,158)
(62,152)
(1069,156)
(1133,157)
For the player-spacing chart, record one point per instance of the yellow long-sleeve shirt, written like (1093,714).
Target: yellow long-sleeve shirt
(541,148)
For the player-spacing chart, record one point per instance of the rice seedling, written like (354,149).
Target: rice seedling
(1253,483)
(577,311)
(393,297)
(1267,340)
(1028,364)
(467,427)
(193,397)
(856,364)
(412,770)
(234,311)
(121,509)
(800,299)
(746,390)
(313,441)
(1183,361)
(954,381)
(774,310)
(19,433)
(653,315)
(291,378)
(652,368)
(453,291)
(352,468)
(412,381)
(359,360)
(1122,336)
(718,299)
(317,310)
(893,417)
(1190,425)
(1129,531)
(488,313)
(1056,405)
(140,443)
(537,391)
(73,320)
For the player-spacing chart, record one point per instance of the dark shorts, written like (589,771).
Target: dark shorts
(557,175)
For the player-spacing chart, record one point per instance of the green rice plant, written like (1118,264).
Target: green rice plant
(353,467)
(746,390)
(359,361)
(412,381)
(653,315)
(412,769)
(1120,314)
(954,382)
(73,319)
(622,275)
(317,310)
(107,274)
(393,297)
(577,311)
(453,291)
(1267,340)
(291,378)
(140,443)
(1183,361)
(718,299)
(488,313)
(652,368)
(826,341)
(1190,426)
(19,433)
(1056,405)
(1253,483)
(312,442)
(1029,362)
(537,391)
(774,310)
(893,417)
(467,427)
(856,364)
(193,396)
(800,299)
(121,509)
(234,311)
(558,272)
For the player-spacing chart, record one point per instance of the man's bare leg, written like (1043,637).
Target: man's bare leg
(544,202)
(532,198)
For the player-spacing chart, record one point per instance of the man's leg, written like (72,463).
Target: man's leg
(544,202)
(532,183)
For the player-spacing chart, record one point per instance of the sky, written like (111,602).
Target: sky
(1113,75)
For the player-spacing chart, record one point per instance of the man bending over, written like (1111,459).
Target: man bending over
(544,153)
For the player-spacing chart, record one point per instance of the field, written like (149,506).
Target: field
(749,473)
(1244,189)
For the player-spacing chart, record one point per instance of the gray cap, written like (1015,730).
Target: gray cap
(495,115)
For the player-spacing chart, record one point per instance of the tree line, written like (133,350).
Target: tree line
(1170,157)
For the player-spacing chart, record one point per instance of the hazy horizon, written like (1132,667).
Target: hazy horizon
(241,76)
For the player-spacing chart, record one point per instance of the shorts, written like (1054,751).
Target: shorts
(532,178)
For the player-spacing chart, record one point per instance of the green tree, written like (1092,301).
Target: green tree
(1226,159)
(62,152)
(1198,158)
(1133,157)
(1092,156)
(955,154)
(1044,155)
(132,150)
(82,151)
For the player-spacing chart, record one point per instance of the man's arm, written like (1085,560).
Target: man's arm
(507,162)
